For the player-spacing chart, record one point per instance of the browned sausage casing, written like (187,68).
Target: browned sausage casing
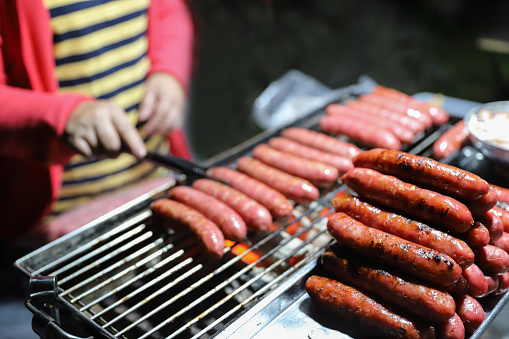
(503,284)
(405,228)
(421,204)
(502,242)
(318,173)
(476,237)
(451,329)
(503,193)
(294,188)
(430,265)
(274,201)
(483,204)
(493,223)
(207,233)
(345,301)
(256,216)
(470,312)
(492,260)
(477,284)
(321,141)
(503,215)
(425,173)
(451,141)
(417,298)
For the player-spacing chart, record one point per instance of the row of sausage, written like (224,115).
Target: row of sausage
(418,244)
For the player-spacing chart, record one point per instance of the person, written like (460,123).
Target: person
(82,85)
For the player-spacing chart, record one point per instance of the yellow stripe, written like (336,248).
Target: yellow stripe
(103,37)
(94,15)
(130,97)
(103,62)
(113,81)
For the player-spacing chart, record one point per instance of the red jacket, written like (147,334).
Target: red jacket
(33,115)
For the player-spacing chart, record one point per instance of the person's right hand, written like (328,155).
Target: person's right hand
(101,127)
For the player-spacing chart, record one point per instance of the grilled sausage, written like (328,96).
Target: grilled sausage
(493,223)
(492,282)
(400,105)
(492,260)
(425,173)
(318,173)
(419,299)
(459,287)
(502,242)
(403,134)
(382,113)
(256,216)
(476,237)
(483,204)
(477,284)
(229,221)
(425,263)
(503,215)
(176,214)
(451,329)
(503,284)
(502,193)
(341,163)
(347,302)
(294,188)
(356,129)
(321,141)
(274,201)
(470,312)
(451,141)
(421,204)
(438,115)
(405,228)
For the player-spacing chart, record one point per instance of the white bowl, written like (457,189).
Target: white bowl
(488,125)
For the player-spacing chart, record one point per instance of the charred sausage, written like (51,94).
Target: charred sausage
(417,298)
(451,141)
(321,141)
(176,214)
(256,216)
(341,163)
(425,173)
(421,204)
(274,201)
(425,263)
(405,228)
(356,129)
(318,173)
(294,188)
(347,302)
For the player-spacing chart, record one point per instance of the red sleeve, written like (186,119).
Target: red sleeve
(170,36)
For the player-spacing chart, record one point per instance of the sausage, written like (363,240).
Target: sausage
(405,228)
(451,141)
(425,263)
(470,311)
(459,287)
(403,134)
(352,305)
(274,201)
(400,105)
(503,193)
(419,299)
(503,284)
(476,237)
(256,216)
(382,113)
(176,214)
(294,188)
(477,284)
(492,260)
(425,173)
(230,222)
(356,129)
(321,141)
(492,282)
(483,204)
(421,204)
(493,223)
(502,242)
(318,173)
(503,215)
(453,328)
(438,115)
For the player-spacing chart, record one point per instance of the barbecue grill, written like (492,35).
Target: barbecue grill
(125,276)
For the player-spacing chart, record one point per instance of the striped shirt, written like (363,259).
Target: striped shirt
(100,49)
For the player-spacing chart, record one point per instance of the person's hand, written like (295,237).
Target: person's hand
(162,108)
(102,128)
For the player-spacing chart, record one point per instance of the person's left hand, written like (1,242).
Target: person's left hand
(163,104)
